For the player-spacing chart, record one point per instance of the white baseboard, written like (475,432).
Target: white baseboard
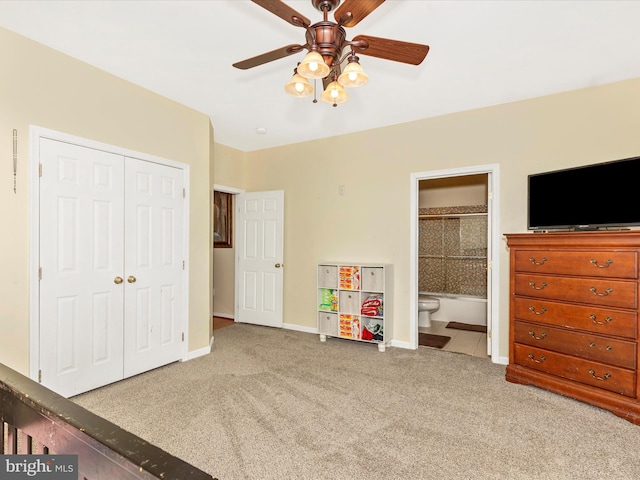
(299,328)
(399,344)
(502,361)
(222,315)
(201,352)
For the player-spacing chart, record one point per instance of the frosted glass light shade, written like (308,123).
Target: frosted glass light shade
(334,94)
(353,76)
(313,66)
(298,86)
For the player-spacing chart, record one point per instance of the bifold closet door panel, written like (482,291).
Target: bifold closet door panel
(81,257)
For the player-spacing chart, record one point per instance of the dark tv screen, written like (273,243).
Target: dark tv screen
(599,196)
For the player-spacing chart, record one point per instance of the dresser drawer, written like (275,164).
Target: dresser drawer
(593,347)
(588,263)
(621,323)
(608,377)
(613,293)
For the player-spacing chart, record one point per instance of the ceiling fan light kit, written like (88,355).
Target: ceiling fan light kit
(298,86)
(326,41)
(313,66)
(353,75)
(334,94)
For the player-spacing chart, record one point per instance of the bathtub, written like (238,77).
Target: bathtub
(459,308)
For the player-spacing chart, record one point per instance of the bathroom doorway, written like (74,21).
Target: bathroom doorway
(454,233)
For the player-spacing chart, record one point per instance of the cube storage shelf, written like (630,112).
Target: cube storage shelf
(355,302)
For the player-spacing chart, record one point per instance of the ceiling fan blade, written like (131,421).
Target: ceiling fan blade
(395,50)
(283,11)
(268,57)
(359,10)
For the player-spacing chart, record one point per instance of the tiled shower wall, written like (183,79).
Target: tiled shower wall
(452,250)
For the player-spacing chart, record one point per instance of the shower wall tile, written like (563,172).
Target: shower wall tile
(442,241)
(431,276)
(451,236)
(430,236)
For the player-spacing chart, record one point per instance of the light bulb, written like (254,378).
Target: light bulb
(313,66)
(299,87)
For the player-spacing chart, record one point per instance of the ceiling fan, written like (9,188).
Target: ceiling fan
(326,40)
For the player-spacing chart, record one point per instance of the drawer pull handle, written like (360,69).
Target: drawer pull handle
(606,292)
(533,310)
(606,376)
(533,285)
(542,359)
(608,348)
(595,262)
(541,262)
(594,320)
(533,334)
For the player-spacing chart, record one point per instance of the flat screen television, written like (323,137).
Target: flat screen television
(591,197)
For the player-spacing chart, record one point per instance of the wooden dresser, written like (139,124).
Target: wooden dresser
(573,324)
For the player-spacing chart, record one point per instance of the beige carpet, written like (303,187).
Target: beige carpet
(279,404)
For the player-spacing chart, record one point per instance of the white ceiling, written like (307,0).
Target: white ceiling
(482,53)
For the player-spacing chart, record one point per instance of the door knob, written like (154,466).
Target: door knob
(131,279)
(117,280)
(278,265)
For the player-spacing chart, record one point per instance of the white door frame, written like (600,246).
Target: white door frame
(493,200)
(35,134)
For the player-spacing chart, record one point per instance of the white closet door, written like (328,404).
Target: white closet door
(154,293)
(81,257)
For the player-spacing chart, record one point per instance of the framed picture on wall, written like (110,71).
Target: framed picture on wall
(222,220)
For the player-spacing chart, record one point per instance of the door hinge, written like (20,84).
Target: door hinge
(184,193)
(39,376)
(39,169)
(183,336)
(489,333)
(183,264)
(39,273)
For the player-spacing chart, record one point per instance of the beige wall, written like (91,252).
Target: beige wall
(453,191)
(371,223)
(42,87)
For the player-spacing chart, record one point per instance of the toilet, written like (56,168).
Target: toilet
(426,305)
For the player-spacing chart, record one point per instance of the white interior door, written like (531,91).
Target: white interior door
(259,247)
(154,266)
(81,258)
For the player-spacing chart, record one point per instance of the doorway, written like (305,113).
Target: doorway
(492,172)
(248,275)
(224,270)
